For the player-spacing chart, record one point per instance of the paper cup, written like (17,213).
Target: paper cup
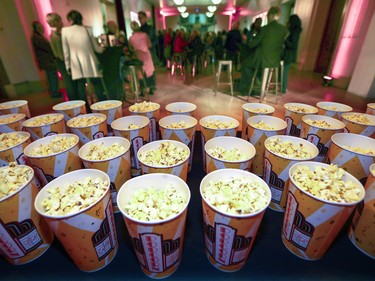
(15,106)
(91,132)
(293,117)
(355,163)
(110,108)
(276,168)
(229,143)
(157,245)
(318,135)
(179,169)
(229,238)
(24,235)
(370,109)
(11,122)
(88,236)
(253,109)
(137,137)
(153,115)
(358,127)
(333,109)
(45,129)
(181,108)
(185,135)
(117,168)
(257,137)
(15,152)
(71,109)
(312,224)
(362,230)
(50,167)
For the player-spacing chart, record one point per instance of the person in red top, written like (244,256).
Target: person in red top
(179,44)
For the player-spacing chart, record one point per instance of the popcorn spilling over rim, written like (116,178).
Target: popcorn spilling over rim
(85,121)
(177,125)
(74,197)
(217,124)
(257,110)
(326,183)
(358,118)
(102,152)
(236,195)
(44,120)
(153,204)
(56,145)
(8,140)
(288,149)
(168,154)
(367,151)
(318,123)
(144,107)
(5,106)
(262,125)
(133,126)
(13,177)
(228,155)
(299,109)
(105,105)
(11,119)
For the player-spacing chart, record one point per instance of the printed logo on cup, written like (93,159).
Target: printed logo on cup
(153,129)
(291,129)
(113,192)
(22,159)
(46,178)
(50,134)
(274,182)
(98,135)
(314,139)
(136,144)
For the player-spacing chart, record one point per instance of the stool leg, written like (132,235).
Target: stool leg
(230,78)
(277,83)
(218,74)
(264,83)
(252,83)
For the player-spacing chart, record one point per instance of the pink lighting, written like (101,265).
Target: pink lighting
(43,7)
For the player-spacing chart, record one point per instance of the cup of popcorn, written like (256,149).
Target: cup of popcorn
(321,199)
(354,153)
(359,123)
(151,110)
(88,127)
(24,235)
(11,122)
(228,152)
(253,109)
(15,106)
(234,202)
(164,156)
(216,126)
(45,125)
(71,109)
(318,129)
(112,156)
(333,109)
(179,128)
(293,116)
(110,108)
(154,208)
(362,228)
(281,153)
(12,146)
(181,108)
(370,109)
(54,156)
(78,208)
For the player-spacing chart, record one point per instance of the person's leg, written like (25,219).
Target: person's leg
(246,79)
(285,78)
(99,88)
(53,83)
(68,82)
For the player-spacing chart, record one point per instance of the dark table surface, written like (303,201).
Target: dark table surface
(268,259)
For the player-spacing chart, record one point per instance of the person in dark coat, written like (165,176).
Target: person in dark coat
(234,38)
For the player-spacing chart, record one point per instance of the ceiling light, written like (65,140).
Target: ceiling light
(184,15)
(179,2)
(182,9)
(216,2)
(211,9)
(209,14)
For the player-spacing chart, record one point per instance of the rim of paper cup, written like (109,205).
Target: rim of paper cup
(25,123)
(158,107)
(234,140)
(369,116)
(94,105)
(93,142)
(27,134)
(23,186)
(313,108)
(351,135)
(341,107)
(60,106)
(325,118)
(52,184)
(168,107)
(46,140)
(218,117)
(18,103)
(245,106)
(241,173)
(20,116)
(300,140)
(146,146)
(186,117)
(267,117)
(85,116)
(371,105)
(140,117)
(372,169)
(128,185)
(350,178)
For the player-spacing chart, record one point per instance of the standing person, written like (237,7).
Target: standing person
(54,21)
(168,40)
(254,29)
(44,58)
(150,31)
(119,35)
(234,38)
(291,46)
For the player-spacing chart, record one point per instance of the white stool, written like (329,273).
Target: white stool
(222,63)
(135,82)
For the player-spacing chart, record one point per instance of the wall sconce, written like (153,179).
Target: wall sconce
(182,9)
(211,9)
(327,80)
(179,2)
(184,15)
(209,14)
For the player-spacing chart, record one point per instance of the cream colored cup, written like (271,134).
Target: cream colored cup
(357,127)
(370,109)
(253,109)
(45,129)
(293,116)
(15,106)
(11,122)
(333,109)
(15,152)
(153,115)
(71,109)
(181,108)
(110,108)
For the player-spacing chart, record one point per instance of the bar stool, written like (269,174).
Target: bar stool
(135,72)
(224,63)
(209,58)
(177,63)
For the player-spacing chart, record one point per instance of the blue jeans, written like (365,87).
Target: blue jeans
(53,83)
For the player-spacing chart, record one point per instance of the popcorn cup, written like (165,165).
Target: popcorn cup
(180,169)
(24,235)
(181,108)
(333,109)
(89,235)
(341,152)
(11,122)
(370,109)
(49,167)
(209,133)
(71,109)
(185,135)
(228,237)
(293,117)
(45,129)
(137,137)
(358,127)
(257,137)
(253,109)
(88,133)
(117,167)
(110,108)
(157,244)
(311,224)
(276,168)
(244,149)
(15,152)
(153,115)
(362,230)
(15,106)
(318,134)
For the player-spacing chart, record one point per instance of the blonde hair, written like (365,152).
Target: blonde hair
(134,26)
(52,19)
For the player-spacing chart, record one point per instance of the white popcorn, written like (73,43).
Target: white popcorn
(105,105)
(11,119)
(44,120)
(69,106)
(133,126)
(358,118)
(218,124)
(11,139)
(262,125)
(7,106)
(318,123)
(56,145)
(288,149)
(168,154)
(13,177)
(177,125)
(361,150)
(257,110)
(372,106)
(299,109)
(101,152)
(327,107)
(228,155)
(85,121)
(143,107)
